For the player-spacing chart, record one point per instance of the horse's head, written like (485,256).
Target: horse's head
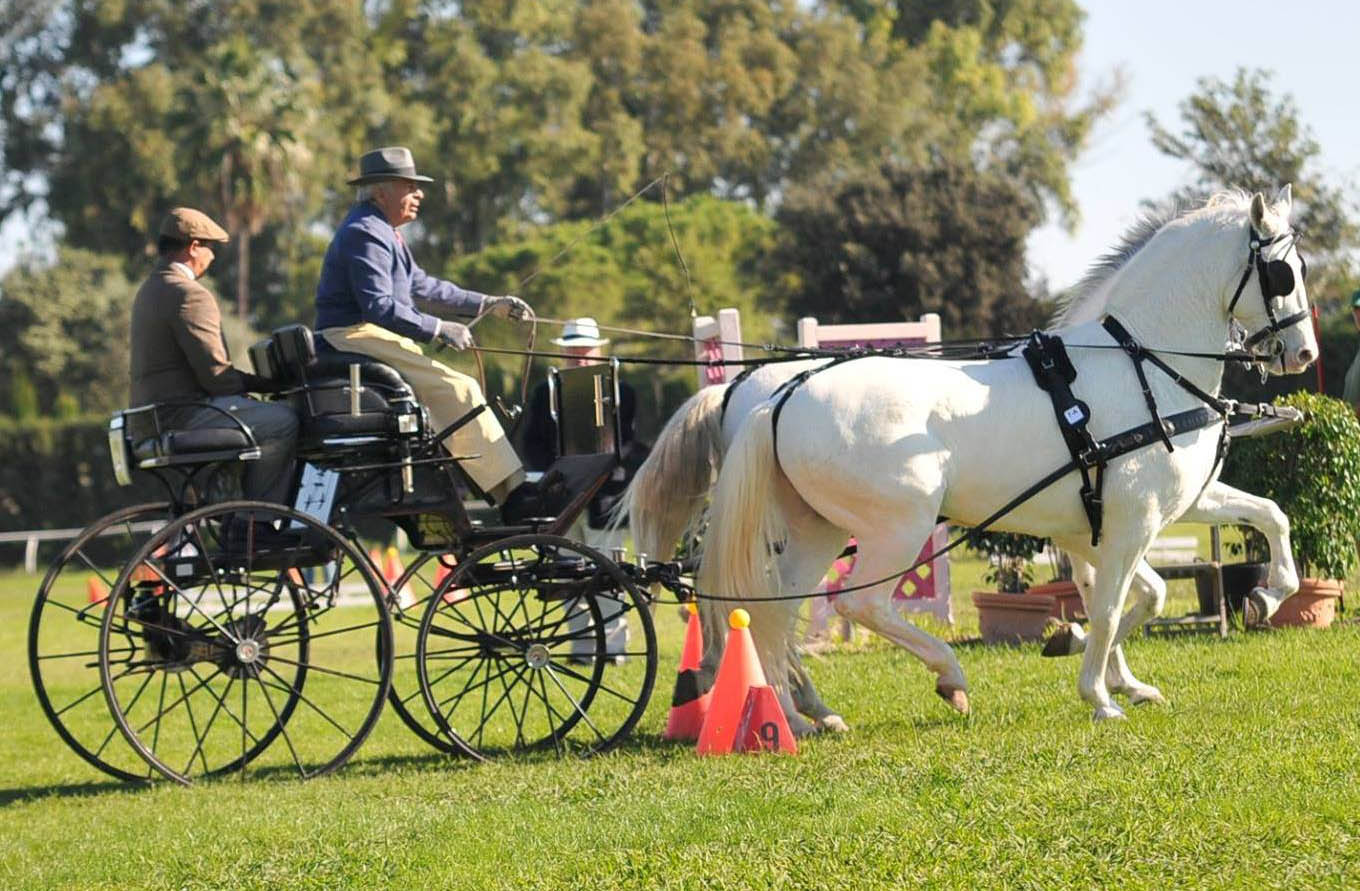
(1271,298)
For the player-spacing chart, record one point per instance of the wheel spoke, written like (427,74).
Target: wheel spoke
(282,725)
(576,705)
(207,728)
(599,685)
(164,710)
(303,697)
(314,636)
(273,657)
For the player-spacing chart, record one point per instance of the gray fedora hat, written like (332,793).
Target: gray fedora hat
(390,162)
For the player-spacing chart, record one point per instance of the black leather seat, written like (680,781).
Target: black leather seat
(323,400)
(181,443)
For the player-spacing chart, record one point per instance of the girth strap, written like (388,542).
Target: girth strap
(787,388)
(732,388)
(1053,372)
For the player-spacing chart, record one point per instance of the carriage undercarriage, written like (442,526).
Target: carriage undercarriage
(243,636)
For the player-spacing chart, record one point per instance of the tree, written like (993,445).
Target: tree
(625,273)
(1000,83)
(64,334)
(903,241)
(250,109)
(1238,134)
(243,119)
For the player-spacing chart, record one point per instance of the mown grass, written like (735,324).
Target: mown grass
(1247,779)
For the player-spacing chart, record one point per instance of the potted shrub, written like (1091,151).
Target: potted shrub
(1312,471)
(1010,614)
(1067,605)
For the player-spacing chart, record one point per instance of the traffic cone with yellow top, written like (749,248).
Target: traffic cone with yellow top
(744,714)
(690,701)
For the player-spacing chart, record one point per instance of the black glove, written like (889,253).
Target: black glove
(455,335)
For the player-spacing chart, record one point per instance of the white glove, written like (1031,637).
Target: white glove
(454,334)
(507,307)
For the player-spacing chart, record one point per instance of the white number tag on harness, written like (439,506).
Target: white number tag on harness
(316,493)
(1074,415)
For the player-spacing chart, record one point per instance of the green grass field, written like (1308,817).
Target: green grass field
(1247,779)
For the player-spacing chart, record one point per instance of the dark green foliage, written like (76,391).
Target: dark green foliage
(1008,556)
(903,241)
(526,113)
(1312,472)
(626,273)
(64,335)
(57,475)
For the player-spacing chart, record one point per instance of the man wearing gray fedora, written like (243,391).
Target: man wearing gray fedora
(365,303)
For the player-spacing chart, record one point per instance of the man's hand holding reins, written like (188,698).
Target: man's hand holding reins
(506,306)
(454,334)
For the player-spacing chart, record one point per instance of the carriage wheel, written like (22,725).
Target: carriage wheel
(242,634)
(419,581)
(63,637)
(521,649)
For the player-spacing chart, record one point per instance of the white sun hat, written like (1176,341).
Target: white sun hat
(582,332)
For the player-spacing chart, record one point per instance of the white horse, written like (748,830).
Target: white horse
(667,499)
(878,447)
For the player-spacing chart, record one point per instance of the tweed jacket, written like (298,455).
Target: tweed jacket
(369,275)
(178,352)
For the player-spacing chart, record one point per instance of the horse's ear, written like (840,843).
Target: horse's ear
(1284,200)
(1257,214)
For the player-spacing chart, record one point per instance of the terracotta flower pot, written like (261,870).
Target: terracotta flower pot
(1312,606)
(1012,618)
(1067,604)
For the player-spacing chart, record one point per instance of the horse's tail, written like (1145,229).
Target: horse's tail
(745,529)
(665,500)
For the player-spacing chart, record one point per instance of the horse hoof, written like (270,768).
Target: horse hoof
(1109,713)
(834,724)
(957,697)
(1257,609)
(1068,640)
(1147,696)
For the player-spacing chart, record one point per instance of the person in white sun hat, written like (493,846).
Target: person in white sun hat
(581,339)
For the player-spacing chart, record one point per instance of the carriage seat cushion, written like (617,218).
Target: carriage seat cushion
(200,440)
(335,364)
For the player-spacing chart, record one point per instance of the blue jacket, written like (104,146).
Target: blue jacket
(369,275)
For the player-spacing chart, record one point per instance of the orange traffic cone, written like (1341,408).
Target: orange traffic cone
(689,703)
(739,671)
(763,727)
(95,590)
(391,566)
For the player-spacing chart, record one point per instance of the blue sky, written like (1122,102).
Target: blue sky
(1164,47)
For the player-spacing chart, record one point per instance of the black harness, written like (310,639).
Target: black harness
(1276,278)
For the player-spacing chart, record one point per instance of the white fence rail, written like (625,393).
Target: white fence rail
(32,537)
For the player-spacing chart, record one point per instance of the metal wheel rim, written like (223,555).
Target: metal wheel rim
(506,645)
(91,617)
(268,670)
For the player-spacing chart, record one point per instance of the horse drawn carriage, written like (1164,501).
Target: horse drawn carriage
(233,635)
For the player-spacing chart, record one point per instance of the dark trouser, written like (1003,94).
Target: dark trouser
(275,427)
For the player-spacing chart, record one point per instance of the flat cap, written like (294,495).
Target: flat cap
(186,223)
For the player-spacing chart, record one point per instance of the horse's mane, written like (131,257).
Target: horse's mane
(1086,298)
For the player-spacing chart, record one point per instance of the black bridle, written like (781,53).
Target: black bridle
(1276,278)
